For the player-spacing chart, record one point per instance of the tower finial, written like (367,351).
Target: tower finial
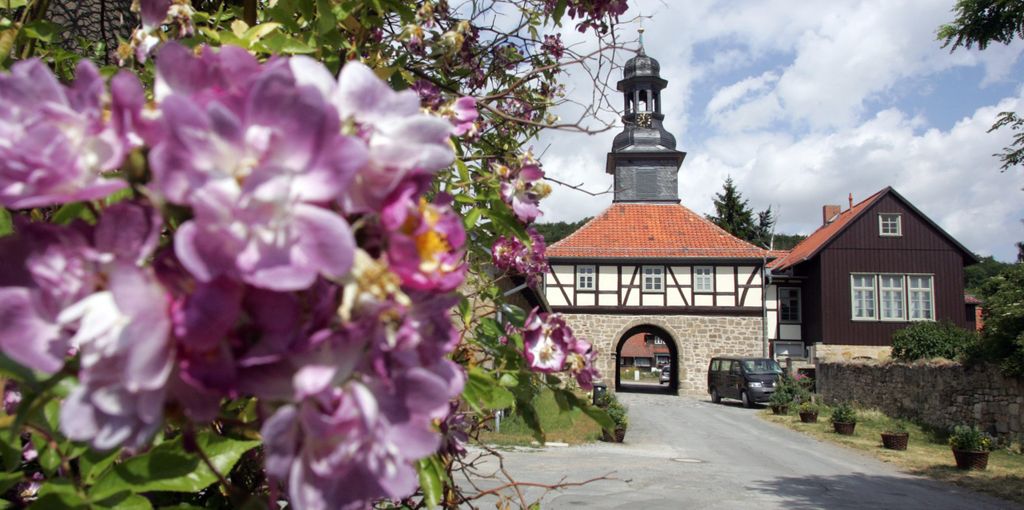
(641,31)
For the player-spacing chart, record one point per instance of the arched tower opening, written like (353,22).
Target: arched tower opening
(646,349)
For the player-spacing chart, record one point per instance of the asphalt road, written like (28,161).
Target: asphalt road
(682,452)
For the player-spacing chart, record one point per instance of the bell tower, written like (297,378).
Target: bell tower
(644,159)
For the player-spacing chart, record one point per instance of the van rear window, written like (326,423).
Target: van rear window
(714,365)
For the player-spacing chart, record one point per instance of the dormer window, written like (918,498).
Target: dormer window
(889,225)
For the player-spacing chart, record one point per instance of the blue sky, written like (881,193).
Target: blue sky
(803,104)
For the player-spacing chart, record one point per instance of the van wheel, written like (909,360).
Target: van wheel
(746,400)
(715,397)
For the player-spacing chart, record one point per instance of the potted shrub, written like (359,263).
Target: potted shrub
(617,412)
(808,412)
(844,419)
(783,396)
(896,436)
(970,446)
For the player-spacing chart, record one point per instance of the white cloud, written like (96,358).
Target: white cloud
(729,95)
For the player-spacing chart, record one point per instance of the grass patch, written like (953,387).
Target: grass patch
(571,427)
(927,454)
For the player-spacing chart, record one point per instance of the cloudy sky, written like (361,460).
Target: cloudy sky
(803,103)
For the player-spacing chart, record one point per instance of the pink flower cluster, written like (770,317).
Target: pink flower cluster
(523,188)
(511,254)
(550,346)
(261,287)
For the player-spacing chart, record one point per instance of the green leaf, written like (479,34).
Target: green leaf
(13,4)
(7,480)
(559,11)
(326,22)
(260,31)
(6,223)
(473,217)
(483,392)
(68,212)
(169,468)
(125,501)
(58,493)
(41,30)
(513,314)
(430,482)
(279,42)
(93,464)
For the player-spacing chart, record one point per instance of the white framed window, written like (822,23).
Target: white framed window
(643,362)
(789,304)
(889,225)
(654,277)
(704,279)
(862,294)
(585,277)
(922,304)
(795,350)
(658,341)
(891,302)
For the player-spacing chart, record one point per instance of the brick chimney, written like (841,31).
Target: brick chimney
(829,213)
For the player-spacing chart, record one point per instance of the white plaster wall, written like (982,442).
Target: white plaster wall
(653,300)
(725,281)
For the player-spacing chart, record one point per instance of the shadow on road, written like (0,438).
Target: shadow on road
(857,490)
(652,389)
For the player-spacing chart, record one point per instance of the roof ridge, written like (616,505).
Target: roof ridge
(840,223)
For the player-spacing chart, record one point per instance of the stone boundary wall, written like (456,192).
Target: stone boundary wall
(697,338)
(941,395)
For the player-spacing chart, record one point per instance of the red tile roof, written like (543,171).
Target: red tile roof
(631,230)
(636,347)
(969,299)
(816,241)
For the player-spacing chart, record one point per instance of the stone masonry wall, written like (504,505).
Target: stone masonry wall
(697,338)
(939,395)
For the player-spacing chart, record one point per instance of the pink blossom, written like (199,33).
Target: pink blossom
(54,142)
(522,188)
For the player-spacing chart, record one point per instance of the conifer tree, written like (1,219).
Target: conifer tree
(732,212)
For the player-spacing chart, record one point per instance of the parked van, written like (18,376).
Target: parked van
(749,380)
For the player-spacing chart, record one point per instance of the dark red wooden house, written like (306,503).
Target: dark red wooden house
(866,272)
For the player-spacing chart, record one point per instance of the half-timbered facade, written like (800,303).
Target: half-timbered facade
(648,264)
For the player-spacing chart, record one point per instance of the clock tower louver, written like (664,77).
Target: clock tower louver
(644,159)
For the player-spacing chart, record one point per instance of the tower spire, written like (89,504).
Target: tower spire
(641,31)
(644,159)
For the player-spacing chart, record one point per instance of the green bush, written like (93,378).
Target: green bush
(897,427)
(809,407)
(969,439)
(927,339)
(616,411)
(844,413)
(1002,340)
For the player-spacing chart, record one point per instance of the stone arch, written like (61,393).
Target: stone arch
(661,330)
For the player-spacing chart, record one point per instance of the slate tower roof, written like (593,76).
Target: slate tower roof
(644,159)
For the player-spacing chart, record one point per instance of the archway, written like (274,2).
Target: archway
(653,337)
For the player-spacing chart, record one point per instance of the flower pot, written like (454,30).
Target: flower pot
(809,416)
(777,409)
(617,436)
(895,440)
(970,460)
(620,435)
(845,429)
